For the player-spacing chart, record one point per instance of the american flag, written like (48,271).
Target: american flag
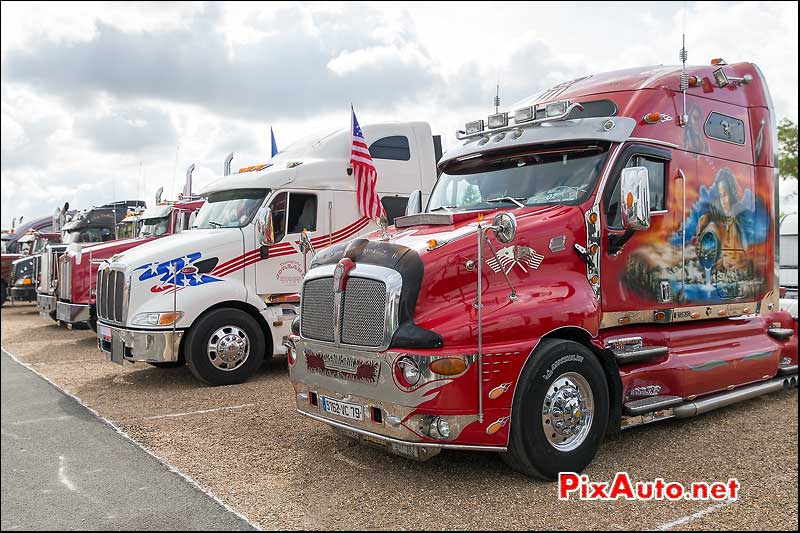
(366,176)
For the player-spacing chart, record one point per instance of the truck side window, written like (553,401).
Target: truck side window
(394,147)
(657,171)
(302,213)
(278,207)
(395,206)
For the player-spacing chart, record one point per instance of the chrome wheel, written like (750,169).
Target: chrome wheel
(228,348)
(567,412)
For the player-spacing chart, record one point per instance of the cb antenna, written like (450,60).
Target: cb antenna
(497,99)
(684,82)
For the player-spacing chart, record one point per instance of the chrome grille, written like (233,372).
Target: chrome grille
(65,275)
(363,312)
(111,295)
(316,309)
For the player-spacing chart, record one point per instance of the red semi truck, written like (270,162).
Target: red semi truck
(601,257)
(77,269)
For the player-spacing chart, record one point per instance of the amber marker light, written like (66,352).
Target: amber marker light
(432,244)
(448,366)
(695,315)
(593,218)
(167,319)
(652,118)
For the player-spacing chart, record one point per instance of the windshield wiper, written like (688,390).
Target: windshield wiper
(446,207)
(507,199)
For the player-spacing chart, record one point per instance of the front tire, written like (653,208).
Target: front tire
(224,347)
(560,411)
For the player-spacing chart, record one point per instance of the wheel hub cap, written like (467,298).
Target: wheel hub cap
(228,348)
(567,411)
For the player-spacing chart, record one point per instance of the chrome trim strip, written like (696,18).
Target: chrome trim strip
(372,435)
(653,141)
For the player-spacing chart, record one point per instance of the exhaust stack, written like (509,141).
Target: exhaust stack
(226,169)
(187,187)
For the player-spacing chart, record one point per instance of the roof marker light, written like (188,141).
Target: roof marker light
(556,109)
(499,120)
(476,126)
(523,115)
(718,61)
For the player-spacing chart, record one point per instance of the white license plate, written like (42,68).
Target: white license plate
(345,410)
(104,332)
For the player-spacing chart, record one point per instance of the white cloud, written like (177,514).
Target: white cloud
(91,91)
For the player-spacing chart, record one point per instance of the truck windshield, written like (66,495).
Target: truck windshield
(154,227)
(100,234)
(230,209)
(552,176)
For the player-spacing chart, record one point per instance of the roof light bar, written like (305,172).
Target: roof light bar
(530,116)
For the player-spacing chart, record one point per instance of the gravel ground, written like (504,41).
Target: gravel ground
(283,471)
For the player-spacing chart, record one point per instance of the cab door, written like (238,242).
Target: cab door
(639,268)
(281,268)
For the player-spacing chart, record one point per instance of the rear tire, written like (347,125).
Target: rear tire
(3,292)
(224,347)
(560,411)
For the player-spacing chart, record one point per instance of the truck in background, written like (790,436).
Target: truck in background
(221,297)
(78,268)
(13,249)
(94,225)
(602,256)
(24,277)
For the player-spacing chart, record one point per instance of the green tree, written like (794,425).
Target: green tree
(787,146)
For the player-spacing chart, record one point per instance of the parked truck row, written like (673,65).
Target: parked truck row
(600,256)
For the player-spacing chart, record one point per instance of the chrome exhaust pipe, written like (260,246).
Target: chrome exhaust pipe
(705,405)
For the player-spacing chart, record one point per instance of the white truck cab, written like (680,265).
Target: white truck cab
(221,297)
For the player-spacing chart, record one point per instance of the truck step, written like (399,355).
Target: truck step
(780,334)
(648,405)
(637,355)
(787,370)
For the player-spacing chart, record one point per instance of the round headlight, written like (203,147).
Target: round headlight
(444,427)
(407,372)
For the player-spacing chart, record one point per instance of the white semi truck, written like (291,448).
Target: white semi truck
(221,297)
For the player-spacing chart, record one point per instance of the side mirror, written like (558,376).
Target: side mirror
(266,235)
(414,205)
(504,226)
(635,198)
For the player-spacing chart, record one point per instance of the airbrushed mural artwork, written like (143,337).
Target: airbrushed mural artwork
(726,226)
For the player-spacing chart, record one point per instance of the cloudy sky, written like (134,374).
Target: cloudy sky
(104,101)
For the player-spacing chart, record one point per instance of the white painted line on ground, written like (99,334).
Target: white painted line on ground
(138,444)
(62,475)
(694,516)
(37,420)
(203,412)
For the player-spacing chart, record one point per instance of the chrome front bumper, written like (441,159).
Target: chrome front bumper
(153,346)
(72,313)
(23,293)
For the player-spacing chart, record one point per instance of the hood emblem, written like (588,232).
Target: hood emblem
(340,274)
(511,256)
